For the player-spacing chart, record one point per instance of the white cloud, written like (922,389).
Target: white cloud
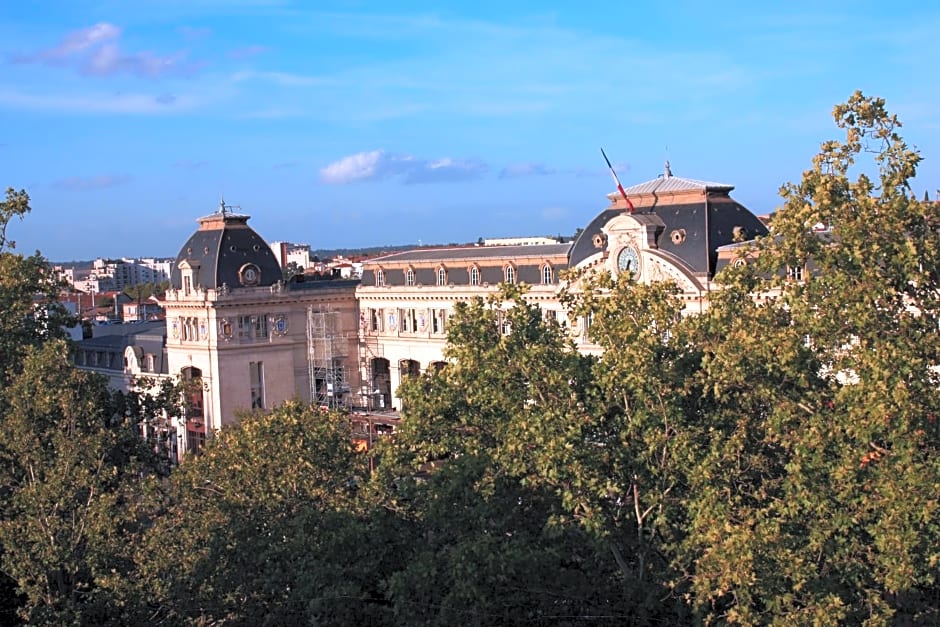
(378,164)
(96,51)
(446,170)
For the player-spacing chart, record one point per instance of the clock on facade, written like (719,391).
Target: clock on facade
(249,274)
(628,260)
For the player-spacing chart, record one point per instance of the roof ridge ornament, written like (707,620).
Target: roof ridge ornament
(226,210)
(668,172)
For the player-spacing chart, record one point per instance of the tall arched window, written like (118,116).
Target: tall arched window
(441,276)
(409,277)
(379,278)
(547,277)
(510,275)
(474,275)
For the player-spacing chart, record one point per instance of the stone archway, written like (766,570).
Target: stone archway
(194,408)
(381,392)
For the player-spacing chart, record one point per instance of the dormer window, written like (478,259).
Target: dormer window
(510,274)
(441,276)
(410,277)
(379,278)
(547,275)
(188,269)
(474,275)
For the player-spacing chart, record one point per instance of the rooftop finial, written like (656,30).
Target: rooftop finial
(668,172)
(222,204)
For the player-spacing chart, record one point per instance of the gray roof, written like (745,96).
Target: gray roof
(667,183)
(473,252)
(218,250)
(145,337)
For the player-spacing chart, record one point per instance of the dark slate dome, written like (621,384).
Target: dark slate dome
(699,216)
(220,252)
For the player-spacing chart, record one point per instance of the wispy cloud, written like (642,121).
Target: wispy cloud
(96,51)
(516,170)
(378,164)
(194,33)
(78,183)
(285,79)
(246,52)
(190,165)
(124,103)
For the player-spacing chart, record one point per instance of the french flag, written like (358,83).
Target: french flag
(617,181)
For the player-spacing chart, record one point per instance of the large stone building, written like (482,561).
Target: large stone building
(674,232)
(246,340)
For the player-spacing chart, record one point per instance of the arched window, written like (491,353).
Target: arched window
(441,276)
(510,275)
(547,278)
(410,277)
(474,275)
(379,278)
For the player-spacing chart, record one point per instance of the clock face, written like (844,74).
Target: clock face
(249,274)
(628,260)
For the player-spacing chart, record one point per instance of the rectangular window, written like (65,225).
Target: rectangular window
(244,327)
(253,327)
(375,319)
(795,273)
(588,322)
(187,285)
(261,326)
(256,381)
(438,318)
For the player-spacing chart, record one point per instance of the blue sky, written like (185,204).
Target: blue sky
(345,124)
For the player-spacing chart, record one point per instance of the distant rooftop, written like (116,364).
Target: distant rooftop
(473,252)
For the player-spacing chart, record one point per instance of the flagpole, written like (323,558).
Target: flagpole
(617,181)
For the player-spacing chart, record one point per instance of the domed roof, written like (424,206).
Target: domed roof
(221,250)
(699,216)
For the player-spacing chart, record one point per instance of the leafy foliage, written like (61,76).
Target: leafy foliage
(261,528)
(69,465)
(771,460)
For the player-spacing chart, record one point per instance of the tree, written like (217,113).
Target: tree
(292,270)
(262,527)
(29,311)
(813,498)
(478,468)
(70,469)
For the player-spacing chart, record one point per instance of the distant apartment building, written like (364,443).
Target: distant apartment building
(287,253)
(107,275)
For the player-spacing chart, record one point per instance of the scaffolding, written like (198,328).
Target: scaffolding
(327,348)
(376,383)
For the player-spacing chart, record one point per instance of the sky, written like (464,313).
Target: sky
(355,124)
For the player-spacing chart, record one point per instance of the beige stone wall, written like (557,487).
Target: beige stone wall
(222,332)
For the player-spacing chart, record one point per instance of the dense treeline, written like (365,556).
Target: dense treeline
(772,460)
